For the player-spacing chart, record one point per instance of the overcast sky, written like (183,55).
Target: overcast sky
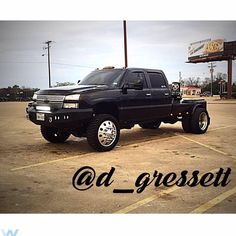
(81,46)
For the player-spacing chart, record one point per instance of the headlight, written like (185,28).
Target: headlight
(35,97)
(72,97)
(71,101)
(71,105)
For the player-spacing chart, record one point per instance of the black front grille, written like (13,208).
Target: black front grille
(55,102)
(51,98)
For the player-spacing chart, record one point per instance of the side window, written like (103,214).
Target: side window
(157,80)
(135,76)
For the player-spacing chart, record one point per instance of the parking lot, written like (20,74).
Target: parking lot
(36,176)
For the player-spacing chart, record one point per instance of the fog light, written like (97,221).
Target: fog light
(43,108)
(70,105)
(34,97)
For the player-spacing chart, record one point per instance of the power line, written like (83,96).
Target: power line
(43,62)
(65,64)
(22,62)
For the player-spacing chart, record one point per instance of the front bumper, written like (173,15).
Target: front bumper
(67,118)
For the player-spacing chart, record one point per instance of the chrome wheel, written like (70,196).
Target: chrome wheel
(107,133)
(203,121)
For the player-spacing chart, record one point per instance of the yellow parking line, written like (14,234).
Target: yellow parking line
(145,141)
(151,198)
(223,127)
(49,162)
(214,201)
(73,157)
(152,140)
(202,144)
(146,200)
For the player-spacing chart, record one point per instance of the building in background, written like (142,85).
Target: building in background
(190,90)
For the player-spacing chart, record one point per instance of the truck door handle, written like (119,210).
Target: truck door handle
(166,94)
(148,94)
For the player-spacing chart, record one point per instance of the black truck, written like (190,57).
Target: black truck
(111,99)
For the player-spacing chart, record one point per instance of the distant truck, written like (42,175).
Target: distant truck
(110,99)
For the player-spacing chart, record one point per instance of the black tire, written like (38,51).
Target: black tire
(54,135)
(186,124)
(150,125)
(200,121)
(97,131)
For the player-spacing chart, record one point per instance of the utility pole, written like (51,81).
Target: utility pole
(180,76)
(125,44)
(49,63)
(211,66)
(229,84)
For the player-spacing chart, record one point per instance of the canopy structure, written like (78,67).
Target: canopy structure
(227,54)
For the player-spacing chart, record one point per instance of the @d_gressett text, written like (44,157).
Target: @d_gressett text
(86,178)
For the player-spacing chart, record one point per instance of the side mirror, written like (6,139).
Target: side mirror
(175,90)
(175,87)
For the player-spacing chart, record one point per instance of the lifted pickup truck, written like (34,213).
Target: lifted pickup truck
(110,99)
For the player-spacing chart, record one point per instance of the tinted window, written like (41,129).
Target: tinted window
(133,77)
(103,77)
(157,80)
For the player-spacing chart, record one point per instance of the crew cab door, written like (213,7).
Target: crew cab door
(161,99)
(134,103)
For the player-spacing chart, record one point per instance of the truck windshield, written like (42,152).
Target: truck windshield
(110,78)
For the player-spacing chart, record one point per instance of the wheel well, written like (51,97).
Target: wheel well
(107,108)
(198,106)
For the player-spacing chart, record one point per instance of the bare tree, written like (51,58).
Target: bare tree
(192,81)
(206,81)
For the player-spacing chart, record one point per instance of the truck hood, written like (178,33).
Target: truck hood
(66,90)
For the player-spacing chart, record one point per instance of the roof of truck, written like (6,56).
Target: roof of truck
(131,68)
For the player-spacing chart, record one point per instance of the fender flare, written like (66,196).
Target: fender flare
(197,106)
